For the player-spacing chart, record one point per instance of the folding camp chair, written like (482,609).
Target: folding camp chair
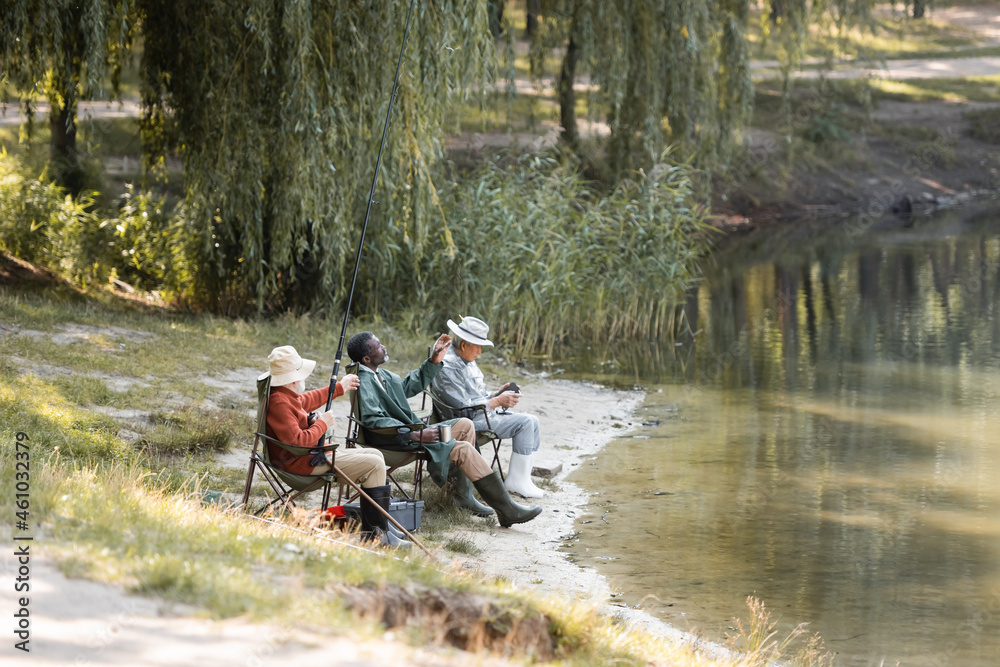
(286,486)
(443,412)
(359,436)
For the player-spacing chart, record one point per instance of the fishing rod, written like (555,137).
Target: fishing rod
(319,458)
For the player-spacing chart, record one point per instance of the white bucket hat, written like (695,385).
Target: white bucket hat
(471,330)
(286,366)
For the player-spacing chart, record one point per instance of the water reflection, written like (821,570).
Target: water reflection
(826,441)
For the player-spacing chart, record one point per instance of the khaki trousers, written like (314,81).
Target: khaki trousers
(362,466)
(464,453)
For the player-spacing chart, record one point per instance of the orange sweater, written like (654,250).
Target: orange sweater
(288,421)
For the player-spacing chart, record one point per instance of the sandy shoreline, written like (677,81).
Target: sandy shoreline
(577,420)
(83,622)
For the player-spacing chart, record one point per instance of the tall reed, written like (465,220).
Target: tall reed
(544,255)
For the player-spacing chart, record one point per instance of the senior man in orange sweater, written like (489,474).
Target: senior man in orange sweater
(288,421)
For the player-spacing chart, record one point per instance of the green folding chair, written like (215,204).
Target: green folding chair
(287,487)
(360,436)
(441,411)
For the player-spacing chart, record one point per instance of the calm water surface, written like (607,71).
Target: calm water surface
(827,442)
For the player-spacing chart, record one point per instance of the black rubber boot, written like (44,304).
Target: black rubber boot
(374,524)
(464,497)
(495,494)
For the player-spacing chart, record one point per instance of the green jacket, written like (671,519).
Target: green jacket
(380,408)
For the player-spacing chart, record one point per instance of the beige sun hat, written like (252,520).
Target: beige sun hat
(471,330)
(286,366)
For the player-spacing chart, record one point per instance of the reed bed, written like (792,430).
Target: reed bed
(536,249)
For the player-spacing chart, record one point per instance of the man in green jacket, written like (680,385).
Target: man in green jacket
(382,404)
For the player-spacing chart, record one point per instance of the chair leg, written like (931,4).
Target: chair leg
(280,493)
(416,474)
(399,488)
(249,483)
(276,486)
(418,479)
(309,489)
(496,458)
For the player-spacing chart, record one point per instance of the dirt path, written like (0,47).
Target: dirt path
(983,19)
(922,68)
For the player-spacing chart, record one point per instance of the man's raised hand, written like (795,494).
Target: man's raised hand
(440,346)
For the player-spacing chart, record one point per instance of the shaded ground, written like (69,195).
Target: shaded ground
(915,156)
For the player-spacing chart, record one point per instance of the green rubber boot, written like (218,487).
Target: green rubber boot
(495,494)
(465,499)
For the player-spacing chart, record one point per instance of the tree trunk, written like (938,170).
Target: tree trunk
(63,154)
(777,10)
(918,9)
(495,9)
(532,9)
(567,96)
(63,96)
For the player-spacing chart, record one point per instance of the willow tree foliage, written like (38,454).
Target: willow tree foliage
(674,72)
(278,108)
(64,51)
(668,72)
(788,22)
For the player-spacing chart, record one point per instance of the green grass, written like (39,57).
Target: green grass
(494,115)
(767,102)
(462,545)
(967,89)
(893,37)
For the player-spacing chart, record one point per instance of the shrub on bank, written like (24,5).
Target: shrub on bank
(142,242)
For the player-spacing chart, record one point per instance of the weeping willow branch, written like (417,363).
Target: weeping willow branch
(277,106)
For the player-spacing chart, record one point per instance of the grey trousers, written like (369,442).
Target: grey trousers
(521,428)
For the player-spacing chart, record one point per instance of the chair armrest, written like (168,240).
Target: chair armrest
(448,412)
(386,436)
(295,449)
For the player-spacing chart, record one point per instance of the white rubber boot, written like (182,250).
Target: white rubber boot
(519,477)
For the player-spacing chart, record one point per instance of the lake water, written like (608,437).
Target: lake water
(827,441)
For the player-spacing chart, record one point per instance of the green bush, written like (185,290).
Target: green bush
(827,127)
(143,242)
(984,124)
(525,241)
(148,245)
(34,216)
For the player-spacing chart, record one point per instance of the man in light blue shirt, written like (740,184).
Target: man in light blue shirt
(461,384)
